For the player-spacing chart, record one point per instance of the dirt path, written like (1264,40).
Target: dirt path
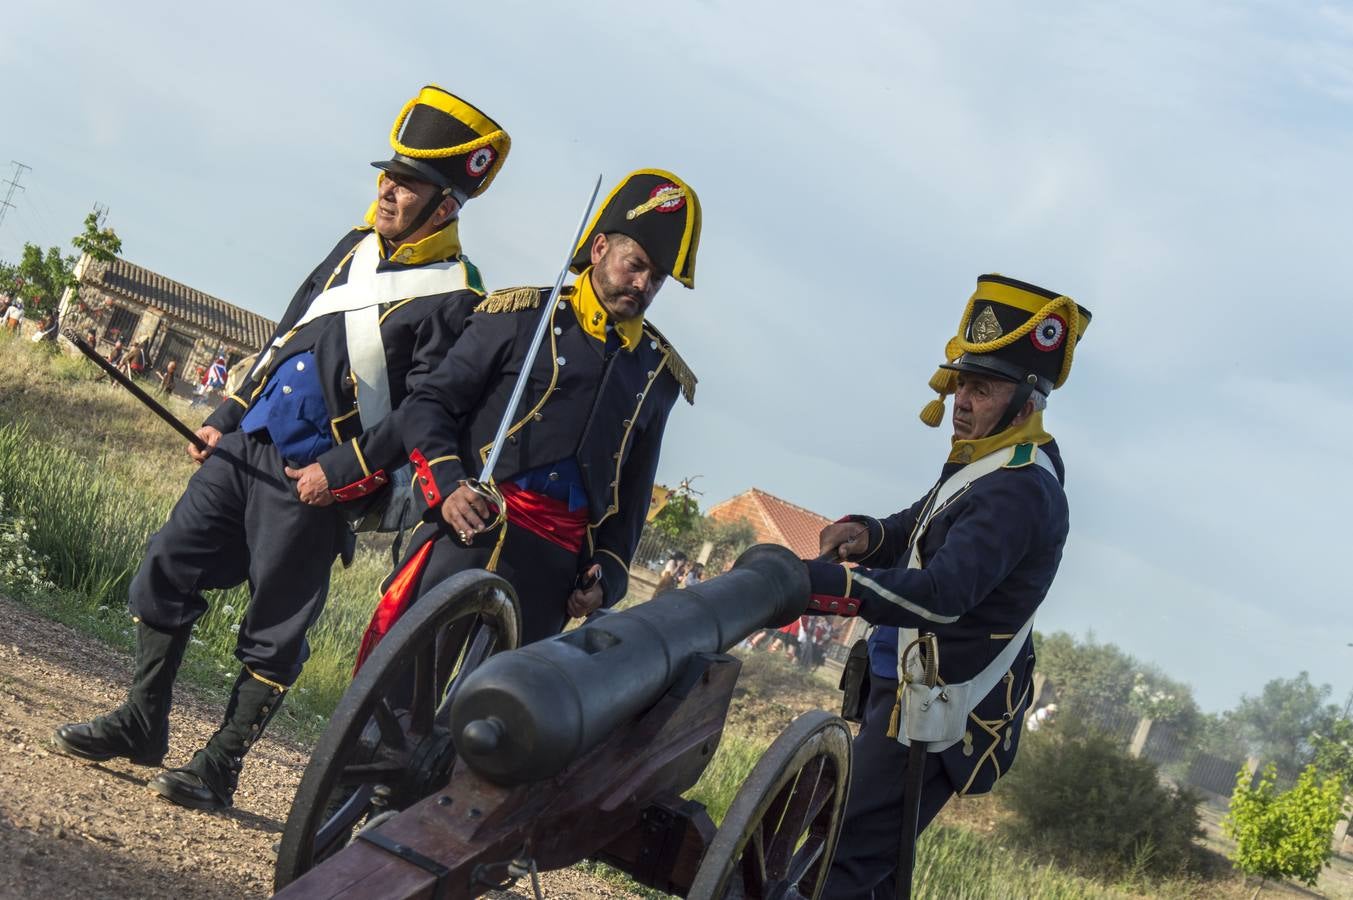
(73,829)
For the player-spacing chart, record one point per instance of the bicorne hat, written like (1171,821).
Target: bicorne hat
(441,139)
(660,212)
(1014,331)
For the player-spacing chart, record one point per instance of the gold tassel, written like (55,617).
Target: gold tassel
(895,720)
(932,413)
(944,381)
(492,565)
(510,300)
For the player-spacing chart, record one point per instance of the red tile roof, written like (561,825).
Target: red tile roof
(775,520)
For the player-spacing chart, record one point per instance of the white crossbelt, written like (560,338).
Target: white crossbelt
(939,715)
(359,299)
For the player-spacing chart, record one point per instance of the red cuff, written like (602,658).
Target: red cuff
(834,606)
(422,475)
(359,489)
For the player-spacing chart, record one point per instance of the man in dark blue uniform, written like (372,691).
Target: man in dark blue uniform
(968,563)
(304,446)
(576,474)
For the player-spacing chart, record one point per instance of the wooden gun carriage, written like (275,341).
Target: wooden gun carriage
(456,763)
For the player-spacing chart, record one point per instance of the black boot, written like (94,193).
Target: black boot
(139,728)
(209,780)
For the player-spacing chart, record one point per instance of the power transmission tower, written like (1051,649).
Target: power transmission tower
(6,205)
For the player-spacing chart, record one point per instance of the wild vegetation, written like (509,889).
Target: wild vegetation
(86,476)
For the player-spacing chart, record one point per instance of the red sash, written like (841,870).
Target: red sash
(545,516)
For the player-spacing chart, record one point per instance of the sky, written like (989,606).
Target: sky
(1182,170)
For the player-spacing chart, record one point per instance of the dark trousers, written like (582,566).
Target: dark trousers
(540,571)
(866,855)
(240,520)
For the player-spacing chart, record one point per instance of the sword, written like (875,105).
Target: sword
(483,485)
(154,405)
(927,648)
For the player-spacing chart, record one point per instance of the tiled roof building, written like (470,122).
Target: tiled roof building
(776,521)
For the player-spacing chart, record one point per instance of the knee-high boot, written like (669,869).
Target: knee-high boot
(139,728)
(210,778)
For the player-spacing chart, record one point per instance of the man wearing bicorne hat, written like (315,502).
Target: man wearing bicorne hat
(969,563)
(304,446)
(576,474)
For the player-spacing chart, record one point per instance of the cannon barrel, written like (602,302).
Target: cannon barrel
(526,714)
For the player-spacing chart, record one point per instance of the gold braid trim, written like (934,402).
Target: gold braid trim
(677,366)
(945,381)
(510,300)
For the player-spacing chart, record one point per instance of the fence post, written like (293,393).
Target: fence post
(1139,737)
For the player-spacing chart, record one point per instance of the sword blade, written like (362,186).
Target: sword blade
(546,316)
(911,818)
(135,389)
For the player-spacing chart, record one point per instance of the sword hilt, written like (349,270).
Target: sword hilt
(489,491)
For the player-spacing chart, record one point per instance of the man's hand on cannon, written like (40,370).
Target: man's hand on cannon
(587,594)
(312,485)
(842,540)
(467,512)
(209,436)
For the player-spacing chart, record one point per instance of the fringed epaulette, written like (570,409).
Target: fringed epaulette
(510,300)
(677,366)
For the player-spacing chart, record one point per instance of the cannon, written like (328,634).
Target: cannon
(456,762)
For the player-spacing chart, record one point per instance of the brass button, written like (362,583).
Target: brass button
(650,373)
(638,396)
(561,361)
(554,476)
(612,508)
(512,439)
(539,417)
(286,389)
(300,365)
(558,330)
(653,344)
(563,305)
(625,423)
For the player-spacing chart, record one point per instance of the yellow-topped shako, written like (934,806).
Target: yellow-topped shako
(657,210)
(440,139)
(1014,331)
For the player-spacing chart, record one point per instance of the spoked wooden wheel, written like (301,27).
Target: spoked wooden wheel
(780,833)
(388,743)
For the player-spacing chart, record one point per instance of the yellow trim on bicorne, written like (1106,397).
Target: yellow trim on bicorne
(277,686)
(549,389)
(441,459)
(441,244)
(1028,431)
(361,460)
(614,506)
(690,238)
(592,316)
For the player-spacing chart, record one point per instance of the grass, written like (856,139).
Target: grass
(93,475)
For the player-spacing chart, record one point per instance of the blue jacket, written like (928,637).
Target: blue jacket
(988,559)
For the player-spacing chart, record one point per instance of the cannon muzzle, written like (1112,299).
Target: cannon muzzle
(526,714)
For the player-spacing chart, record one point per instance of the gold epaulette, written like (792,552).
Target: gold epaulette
(676,365)
(510,300)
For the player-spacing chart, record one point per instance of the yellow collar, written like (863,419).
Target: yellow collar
(439,245)
(592,315)
(1030,430)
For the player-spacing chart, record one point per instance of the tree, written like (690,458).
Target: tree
(1283,835)
(1278,724)
(1333,751)
(679,519)
(41,277)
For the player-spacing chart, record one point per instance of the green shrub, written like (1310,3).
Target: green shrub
(1081,798)
(1288,834)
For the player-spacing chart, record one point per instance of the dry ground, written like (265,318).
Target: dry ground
(71,829)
